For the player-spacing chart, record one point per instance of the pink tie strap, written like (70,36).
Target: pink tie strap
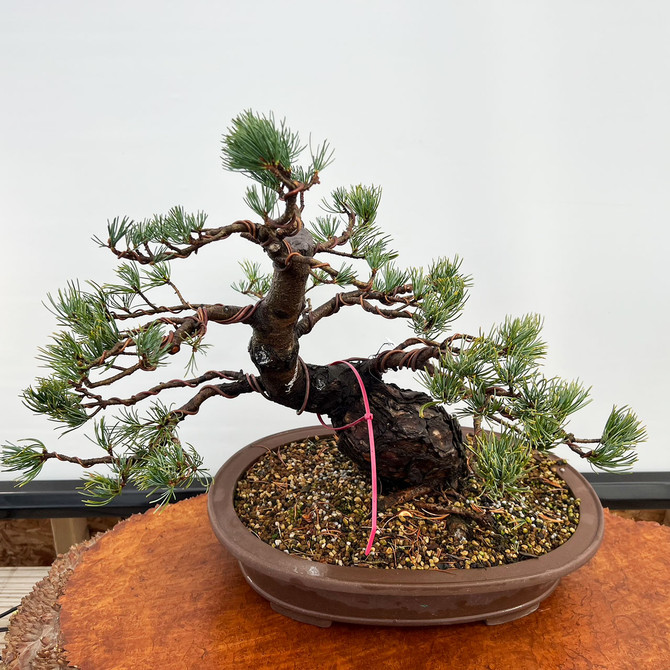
(373,462)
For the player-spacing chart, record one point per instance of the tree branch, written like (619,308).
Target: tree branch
(83,462)
(415,359)
(221,314)
(418,359)
(342,253)
(125,372)
(249,384)
(179,295)
(291,210)
(138,313)
(572,444)
(362,298)
(102,403)
(506,421)
(184,327)
(330,270)
(249,230)
(337,241)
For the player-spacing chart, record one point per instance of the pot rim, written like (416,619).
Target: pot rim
(252,552)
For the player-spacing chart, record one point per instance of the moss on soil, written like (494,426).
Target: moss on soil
(309,500)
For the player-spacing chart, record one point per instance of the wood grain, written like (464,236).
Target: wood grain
(158,591)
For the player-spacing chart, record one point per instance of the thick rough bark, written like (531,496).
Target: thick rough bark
(411,449)
(34,640)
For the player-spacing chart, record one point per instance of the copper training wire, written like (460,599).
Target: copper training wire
(254,384)
(243,315)
(307,385)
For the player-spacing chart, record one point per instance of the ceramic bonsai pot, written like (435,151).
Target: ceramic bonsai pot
(319,593)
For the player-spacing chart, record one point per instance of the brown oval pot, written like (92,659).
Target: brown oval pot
(319,593)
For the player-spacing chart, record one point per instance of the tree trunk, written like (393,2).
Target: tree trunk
(411,447)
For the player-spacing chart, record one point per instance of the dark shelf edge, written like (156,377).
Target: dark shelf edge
(61,498)
(634,490)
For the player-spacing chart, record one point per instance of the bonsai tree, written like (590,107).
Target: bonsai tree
(110,332)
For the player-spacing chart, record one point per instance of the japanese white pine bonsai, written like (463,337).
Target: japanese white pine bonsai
(110,332)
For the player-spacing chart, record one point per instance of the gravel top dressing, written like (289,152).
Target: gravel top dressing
(309,500)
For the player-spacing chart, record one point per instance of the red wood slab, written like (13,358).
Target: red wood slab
(159,592)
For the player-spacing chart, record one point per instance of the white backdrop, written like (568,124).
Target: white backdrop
(531,138)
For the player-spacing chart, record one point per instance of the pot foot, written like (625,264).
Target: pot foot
(299,616)
(522,610)
(511,616)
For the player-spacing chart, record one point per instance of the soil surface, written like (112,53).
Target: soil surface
(308,499)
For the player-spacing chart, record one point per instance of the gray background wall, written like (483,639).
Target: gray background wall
(531,138)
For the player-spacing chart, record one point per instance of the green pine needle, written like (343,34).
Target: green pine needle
(255,283)
(262,203)
(99,489)
(256,143)
(442,294)
(501,461)
(54,398)
(623,432)
(26,459)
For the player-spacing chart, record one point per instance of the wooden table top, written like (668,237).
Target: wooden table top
(159,592)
